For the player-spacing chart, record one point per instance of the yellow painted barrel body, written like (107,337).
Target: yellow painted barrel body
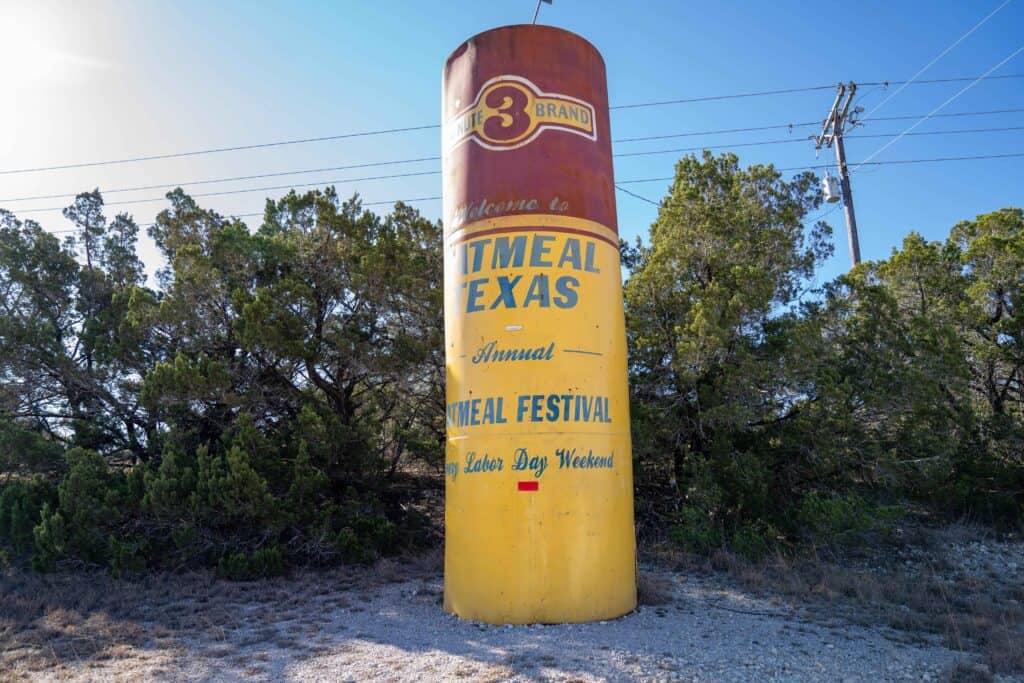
(538,470)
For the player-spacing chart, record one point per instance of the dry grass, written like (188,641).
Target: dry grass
(967,672)
(66,623)
(653,589)
(63,623)
(970,613)
(45,624)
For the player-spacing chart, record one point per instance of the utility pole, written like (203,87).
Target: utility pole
(832,132)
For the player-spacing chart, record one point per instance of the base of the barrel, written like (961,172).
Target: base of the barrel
(525,549)
(537,614)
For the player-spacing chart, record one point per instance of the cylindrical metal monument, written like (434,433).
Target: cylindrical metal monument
(539,482)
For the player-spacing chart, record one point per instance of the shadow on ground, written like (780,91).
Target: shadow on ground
(386,623)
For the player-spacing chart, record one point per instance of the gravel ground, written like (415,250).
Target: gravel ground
(388,626)
(696,637)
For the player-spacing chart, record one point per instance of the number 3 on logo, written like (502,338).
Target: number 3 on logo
(510,119)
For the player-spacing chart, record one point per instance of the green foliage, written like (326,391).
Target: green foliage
(375,531)
(91,503)
(903,378)
(365,539)
(187,543)
(168,490)
(230,493)
(261,564)
(753,540)
(984,488)
(261,395)
(710,326)
(845,519)
(21,505)
(351,548)
(696,530)
(185,378)
(309,486)
(51,539)
(25,451)
(70,364)
(125,557)
(252,410)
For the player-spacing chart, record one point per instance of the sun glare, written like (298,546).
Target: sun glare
(35,47)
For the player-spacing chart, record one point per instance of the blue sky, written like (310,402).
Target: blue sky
(105,80)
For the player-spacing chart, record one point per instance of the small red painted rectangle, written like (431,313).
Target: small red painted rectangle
(529,486)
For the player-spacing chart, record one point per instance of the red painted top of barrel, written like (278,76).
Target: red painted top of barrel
(516,107)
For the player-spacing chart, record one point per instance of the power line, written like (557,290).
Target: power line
(958,79)
(1000,129)
(788,91)
(785,141)
(938,108)
(666,179)
(723,130)
(864,95)
(817,218)
(888,162)
(427,173)
(388,131)
(646,180)
(703,147)
(217,150)
(252,189)
(940,116)
(260,213)
(634,194)
(823,214)
(336,181)
(712,98)
(436,158)
(925,161)
(938,57)
(234,178)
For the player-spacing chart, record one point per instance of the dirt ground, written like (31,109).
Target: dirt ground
(727,622)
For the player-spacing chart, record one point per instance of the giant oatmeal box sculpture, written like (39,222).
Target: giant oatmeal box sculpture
(539,497)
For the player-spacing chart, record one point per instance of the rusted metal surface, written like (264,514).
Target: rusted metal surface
(573,168)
